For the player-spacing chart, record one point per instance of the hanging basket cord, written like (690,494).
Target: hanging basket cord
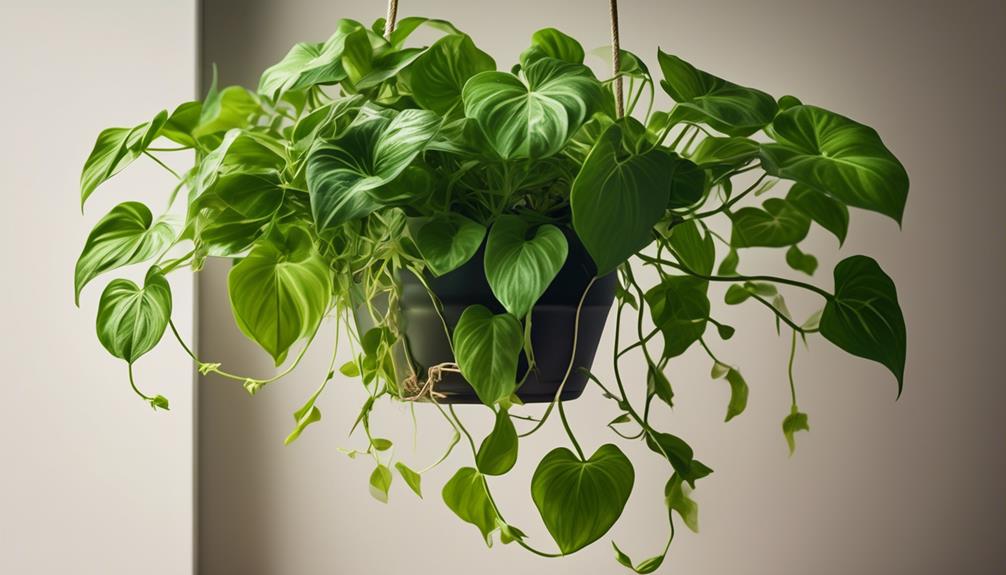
(616,52)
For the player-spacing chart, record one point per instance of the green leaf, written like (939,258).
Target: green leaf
(126,235)
(438,76)
(831,214)
(837,156)
(551,43)
(303,417)
(350,369)
(680,309)
(678,453)
(676,496)
(380,483)
(498,452)
(693,248)
(520,265)
(131,319)
(449,240)
(646,566)
(727,107)
(309,64)
(465,494)
(344,176)
(580,500)
(230,108)
(778,224)
(728,267)
(795,421)
(412,479)
(864,318)
(800,261)
(617,186)
(381,444)
(718,152)
(406,26)
(487,348)
(657,384)
(182,122)
(281,291)
(115,149)
(738,394)
(532,120)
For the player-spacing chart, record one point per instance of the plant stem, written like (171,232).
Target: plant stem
(737,278)
(162,164)
(792,356)
(733,201)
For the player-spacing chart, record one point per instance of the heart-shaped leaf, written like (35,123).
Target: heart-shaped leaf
(680,309)
(520,266)
(677,498)
(380,483)
(465,494)
(794,422)
(731,153)
(115,149)
(438,76)
(487,348)
(131,319)
(702,97)
(498,452)
(281,291)
(800,261)
(618,189)
(532,120)
(837,156)
(580,500)
(230,108)
(126,235)
(309,64)
(551,43)
(413,479)
(864,318)
(777,224)
(679,454)
(831,214)
(449,240)
(343,176)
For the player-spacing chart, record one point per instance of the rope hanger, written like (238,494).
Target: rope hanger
(616,56)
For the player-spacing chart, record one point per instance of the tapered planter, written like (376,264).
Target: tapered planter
(553,321)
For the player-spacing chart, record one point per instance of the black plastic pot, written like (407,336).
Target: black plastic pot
(552,324)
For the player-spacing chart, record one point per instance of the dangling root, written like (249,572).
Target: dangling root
(413,390)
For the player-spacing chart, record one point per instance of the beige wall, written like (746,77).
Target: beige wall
(91,480)
(877,487)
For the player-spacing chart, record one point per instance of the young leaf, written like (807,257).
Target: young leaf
(412,479)
(725,153)
(281,291)
(693,248)
(795,421)
(115,149)
(837,156)
(728,267)
(519,265)
(580,500)
(131,319)
(777,225)
(125,236)
(498,452)
(831,214)
(646,566)
(680,309)
(439,74)
(381,444)
(727,107)
(380,483)
(679,454)
(532,120)
(800,261)
(230,108)
(465,494)
(303,417)
(657,384)
(678,500)
(864,318)
(738,394)
(618,185)
(344,176)
(487,347)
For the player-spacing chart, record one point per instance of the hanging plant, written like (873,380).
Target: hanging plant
(471,229)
